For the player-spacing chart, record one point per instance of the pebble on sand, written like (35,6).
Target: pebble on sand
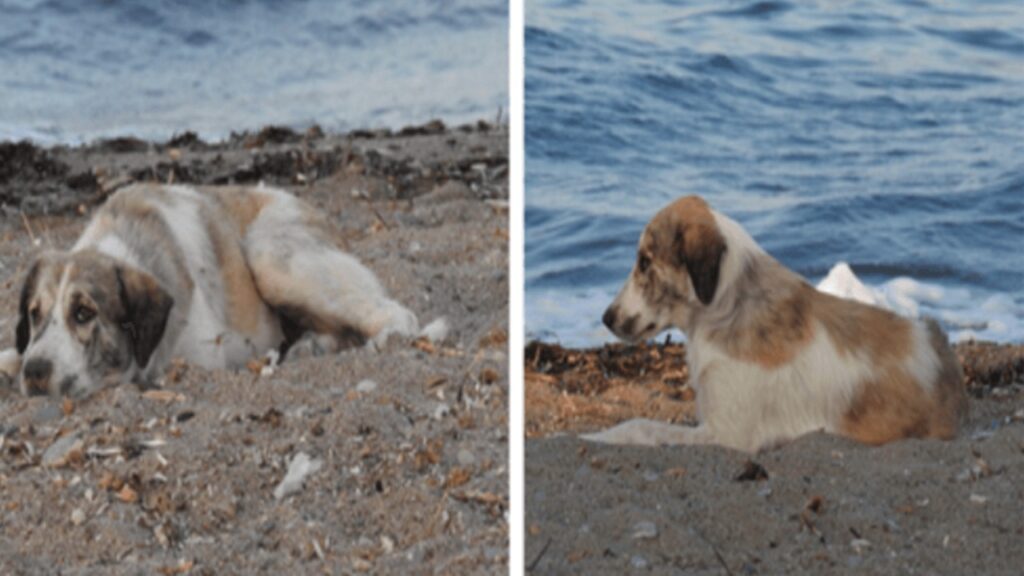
(58,453)
(366,386)
(300,467)
(645,530)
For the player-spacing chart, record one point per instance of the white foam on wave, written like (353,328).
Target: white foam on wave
(964,317)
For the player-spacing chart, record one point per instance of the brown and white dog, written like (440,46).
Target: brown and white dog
(213,275)
(770,357)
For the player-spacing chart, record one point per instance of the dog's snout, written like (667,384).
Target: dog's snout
(37,373)
(38,369)
(609,317)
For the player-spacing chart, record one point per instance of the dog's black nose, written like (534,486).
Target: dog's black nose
(37,374)
(38,369)
(609,317)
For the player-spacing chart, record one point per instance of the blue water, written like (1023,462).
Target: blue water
(889,135)
(73,70)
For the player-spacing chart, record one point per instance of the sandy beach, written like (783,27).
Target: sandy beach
(412,439)
(818,505)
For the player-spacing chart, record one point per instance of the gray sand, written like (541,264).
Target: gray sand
(828,506)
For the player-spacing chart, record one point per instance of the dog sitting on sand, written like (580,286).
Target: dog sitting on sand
(213,275)
(770,357)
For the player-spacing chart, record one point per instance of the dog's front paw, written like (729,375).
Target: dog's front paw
(312,345)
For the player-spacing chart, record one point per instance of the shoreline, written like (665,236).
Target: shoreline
(58,179)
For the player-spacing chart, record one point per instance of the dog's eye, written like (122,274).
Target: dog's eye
(35,314)
(83,314)
(643,263)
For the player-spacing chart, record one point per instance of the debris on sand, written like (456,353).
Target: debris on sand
(644,530)
(752,471)
(990,365)
(63,451)
(366,386)
(300,467)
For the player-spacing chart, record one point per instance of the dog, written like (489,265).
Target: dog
(211,275)
(770,357)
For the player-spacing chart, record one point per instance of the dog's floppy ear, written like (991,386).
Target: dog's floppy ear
(146,306)
(700,248)
(23,333)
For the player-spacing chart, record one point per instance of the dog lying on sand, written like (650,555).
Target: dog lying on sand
(770,357)
(213,275)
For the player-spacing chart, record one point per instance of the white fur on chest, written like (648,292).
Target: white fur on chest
(748,406)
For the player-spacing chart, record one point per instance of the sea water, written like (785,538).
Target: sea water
(886,135)
(77,70)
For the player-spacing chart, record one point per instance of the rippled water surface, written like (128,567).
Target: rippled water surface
(74,70)
(889,135)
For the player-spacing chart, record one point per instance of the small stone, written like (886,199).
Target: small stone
(48,412)
(366,386)
(441,411)
(465,457)
(978,499)
(128,494)
(645,530)
(77,517)
(300,467)
(61,451)
(638,562)
(859,544)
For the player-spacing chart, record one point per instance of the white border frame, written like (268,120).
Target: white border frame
(517,151)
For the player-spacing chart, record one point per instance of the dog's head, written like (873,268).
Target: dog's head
(84,318)
(676,271)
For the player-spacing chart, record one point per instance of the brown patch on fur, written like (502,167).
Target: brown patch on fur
(776,335)
(242,204)
(883,336)
(890,408)
(771,318)
(244,307)
(685,234)
(896,406)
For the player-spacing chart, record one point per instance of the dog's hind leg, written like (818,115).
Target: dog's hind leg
(644,432)
(299,271)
